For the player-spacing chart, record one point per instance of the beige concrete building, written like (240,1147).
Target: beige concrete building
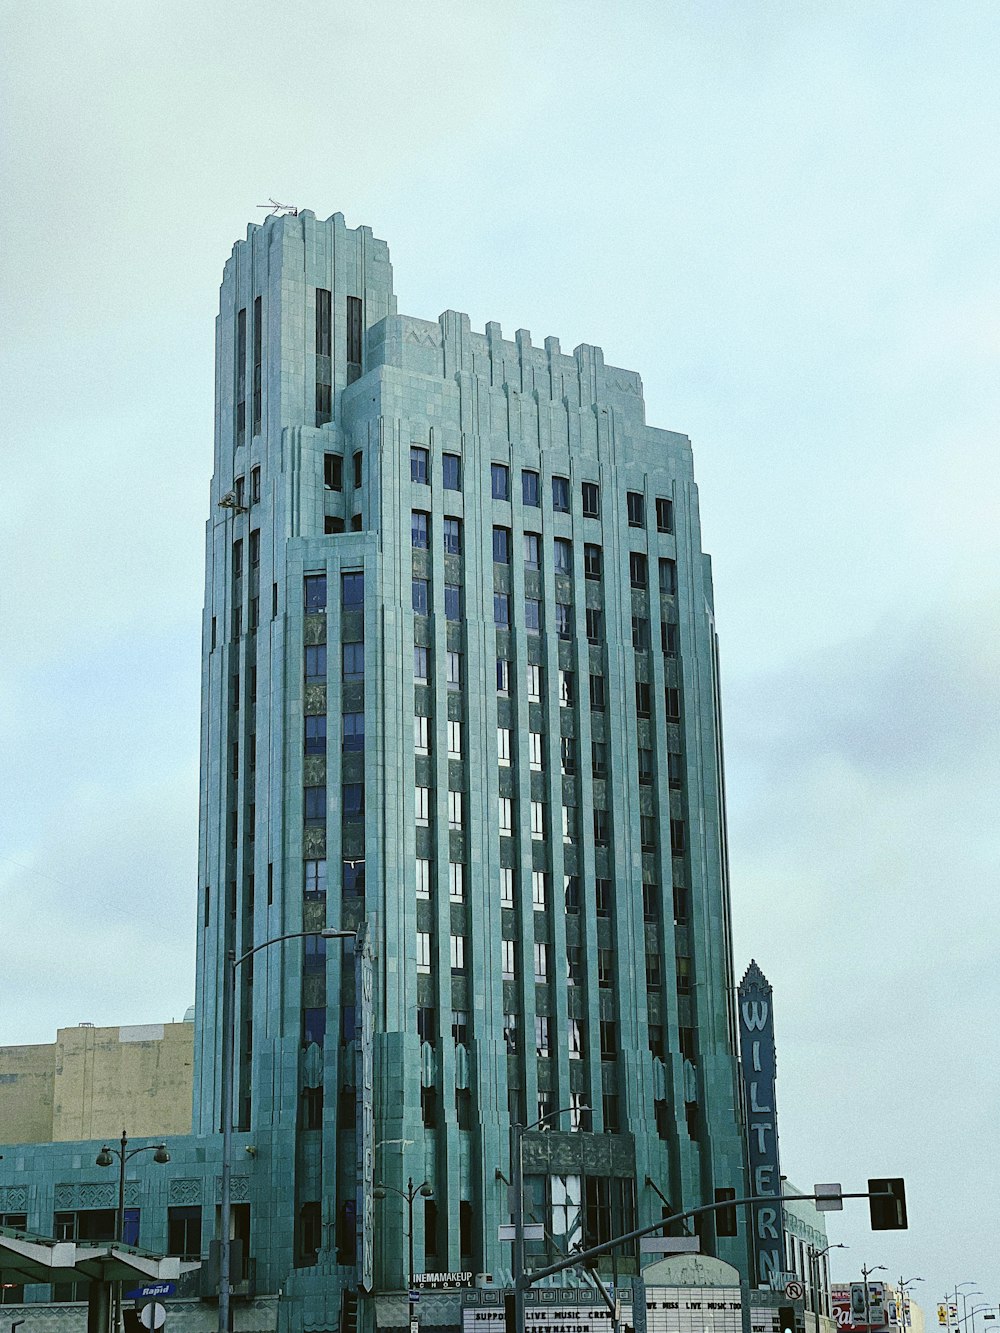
(91,1083)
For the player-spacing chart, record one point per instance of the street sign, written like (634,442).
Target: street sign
(531,1231)
(829,1198)
(794,1290)
(413,1296)
(151,1291)
(152,1316)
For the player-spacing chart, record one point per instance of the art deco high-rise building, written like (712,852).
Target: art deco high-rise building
(460,682)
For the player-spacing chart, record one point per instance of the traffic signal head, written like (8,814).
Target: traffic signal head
(786,1319)
(887,1204)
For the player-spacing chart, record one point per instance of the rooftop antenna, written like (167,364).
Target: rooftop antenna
(276,210)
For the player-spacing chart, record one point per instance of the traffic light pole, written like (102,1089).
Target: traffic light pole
(522,1280)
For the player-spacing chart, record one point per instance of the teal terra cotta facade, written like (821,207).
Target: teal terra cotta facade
(460,682)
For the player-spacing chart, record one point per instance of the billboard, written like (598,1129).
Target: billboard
(853,1310)
(757,1063)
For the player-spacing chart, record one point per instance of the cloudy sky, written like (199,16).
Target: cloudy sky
(784,214)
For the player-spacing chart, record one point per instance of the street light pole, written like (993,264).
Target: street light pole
(228,1074)
(815,1275)
(865,1272)
(904,1287)
(124,1154)
(410,1194)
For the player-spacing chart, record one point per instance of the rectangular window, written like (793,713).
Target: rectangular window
(423,951)
(609,1039)
(500,481)
(535,753)
(421,597)
(352,590)
(460,1027)
(258,356)
(333,472)
(534,683)
(532,614)
(506,886)
(314,1026)
(571,892)
(529,488)
(419,460)
(574,1033)
(664,515)
(421,663)
(184,1233)
(255,485)
(315,592)
(668,577)
(560,495)
(505,812)
(569,823)
(642,698)
(591,495)
(353,801)
(640,634)
(324,332)
(426,1024)
(451,472)
(541,960)
(668,638)
(562,555)
(455,810)
(314,803)
(315,661)
(503,747)
(637,569)
(636,507)
(672,698)
(501,546)
(592,561)
(452,601)
(501,610)
(675,769)
(537,819)
(595,625)
(542,1035)
(453,664)
(647,833)
(645,767)
(574,965)
(456,881)
(603,896)
(653,975)
(314,955)
(683,976)
(650,902)
(539,893)
(597,694)
(507,962)
(354,732)
(454,739)
(422,806)
(420,527)
(605,968)
(457,953)
(532,550)
(599,759)
(314,880)
(354,336)
(503,675)
(423,877)
(353,661)
(567,688)
(422,735)
(564,621)
(602,828)
(359,464)
(453,536)
(677,838)
(567,755)
(241,377)
(315,734)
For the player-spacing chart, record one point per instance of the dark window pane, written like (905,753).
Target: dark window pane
(315,592)
(451,472)
(500,477)
(529,488)
(352,587)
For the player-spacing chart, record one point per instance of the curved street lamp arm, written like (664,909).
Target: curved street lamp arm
(293,935)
